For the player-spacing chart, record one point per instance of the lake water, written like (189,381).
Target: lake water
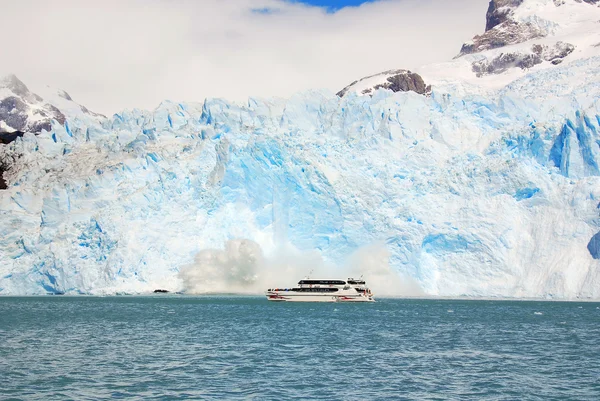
(245,348)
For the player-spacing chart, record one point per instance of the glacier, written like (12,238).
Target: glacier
(466,192)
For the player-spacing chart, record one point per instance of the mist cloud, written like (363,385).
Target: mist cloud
(242,268)
(234,269)
(116,54)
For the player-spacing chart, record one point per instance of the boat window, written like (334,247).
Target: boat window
(315,289)
(355,282)
(325,282)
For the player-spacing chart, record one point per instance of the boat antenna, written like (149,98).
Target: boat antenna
(309,273)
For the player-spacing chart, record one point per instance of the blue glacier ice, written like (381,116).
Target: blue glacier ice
(466,192)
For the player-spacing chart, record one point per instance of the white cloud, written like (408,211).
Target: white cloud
(117,54)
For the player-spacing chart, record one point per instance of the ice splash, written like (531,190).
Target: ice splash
(242,268)
(233,269)
(373,263)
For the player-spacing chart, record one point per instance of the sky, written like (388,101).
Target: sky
(115,54)
(334,5)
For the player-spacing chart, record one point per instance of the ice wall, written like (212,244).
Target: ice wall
(470,193)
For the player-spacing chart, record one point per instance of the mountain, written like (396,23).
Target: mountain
(394,80)
(487,186)
(22,110)
(522,36)
(548,31)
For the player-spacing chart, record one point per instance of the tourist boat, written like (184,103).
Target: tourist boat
(311,290)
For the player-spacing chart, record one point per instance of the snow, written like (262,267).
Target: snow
(56,97)
(366,85)
(489,187)
(572,22)
(5,128)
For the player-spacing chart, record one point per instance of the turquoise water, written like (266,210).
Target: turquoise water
(214,348)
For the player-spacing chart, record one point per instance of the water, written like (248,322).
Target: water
(167,347)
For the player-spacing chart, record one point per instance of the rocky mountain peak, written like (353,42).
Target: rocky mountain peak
(394,80)
(18,88)
(521,34)
(503,28)
(499,11)
(24,111)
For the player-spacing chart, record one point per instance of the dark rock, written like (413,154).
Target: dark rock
(3,184)
(13,111)
(159,291)
(8,137)
(538,49)
(558,52)
(406,82)
(16,109)
(498,12)
(504,62)
(9,157)
(539,53)
(502,29)
(4,166)
(65,95)
(57,114)
(507,33)
(397,81)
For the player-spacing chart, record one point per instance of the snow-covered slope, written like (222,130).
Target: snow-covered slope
(478,189)
(522,36)
(22,110)
(25,111)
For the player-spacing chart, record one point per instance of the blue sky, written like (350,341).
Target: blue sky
(334,5)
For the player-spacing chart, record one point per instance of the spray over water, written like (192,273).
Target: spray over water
(230,270)
(242,268)
(372,263)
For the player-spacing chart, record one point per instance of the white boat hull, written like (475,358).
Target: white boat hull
(292,296)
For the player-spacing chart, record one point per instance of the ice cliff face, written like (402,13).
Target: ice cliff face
(474,190)
(471,195)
